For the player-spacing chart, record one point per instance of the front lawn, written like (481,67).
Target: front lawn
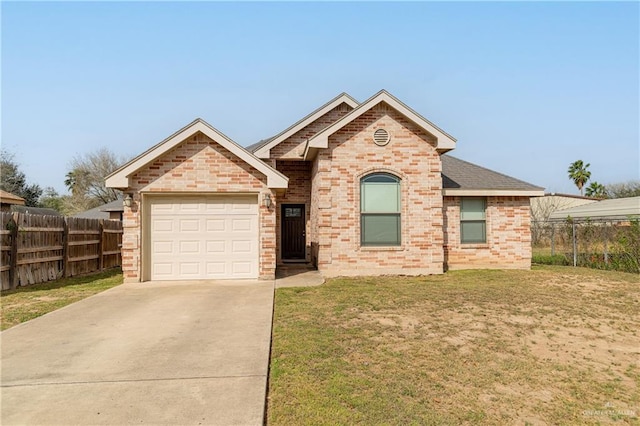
(29,302)
(555,345)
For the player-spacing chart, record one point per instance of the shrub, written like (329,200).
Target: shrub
(547,259)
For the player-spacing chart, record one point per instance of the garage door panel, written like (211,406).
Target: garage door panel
(241,224)
(190,269)
(215,208)
(163,247)
(242,208)
(216,225)
(162,225)
(189,225)
(189,207)
(241,246)
(204,237)
(163,269)
(163,209)
(216,269)
(189,247)
(240,268)
(216,247)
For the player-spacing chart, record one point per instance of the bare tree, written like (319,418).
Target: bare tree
(86,177)
(622,190)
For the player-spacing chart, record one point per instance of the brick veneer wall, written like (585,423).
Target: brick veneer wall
(335,199)
(299,192)
(508,243)
(198,165)
(293,146)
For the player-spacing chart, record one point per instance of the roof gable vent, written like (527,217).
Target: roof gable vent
(381,137)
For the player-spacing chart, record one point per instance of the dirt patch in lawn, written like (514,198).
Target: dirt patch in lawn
(548,346)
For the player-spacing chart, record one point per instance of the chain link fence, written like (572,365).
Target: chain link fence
(595,243)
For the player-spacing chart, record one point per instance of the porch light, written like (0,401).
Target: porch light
(267,200)
(127,200)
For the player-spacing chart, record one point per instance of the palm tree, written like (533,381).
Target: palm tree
(596,190)
(579,174)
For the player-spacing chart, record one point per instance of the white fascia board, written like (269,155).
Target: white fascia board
(265,151)
(445,141)
(453,192)
(120,178)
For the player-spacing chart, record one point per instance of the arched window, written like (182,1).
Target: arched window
(380,210)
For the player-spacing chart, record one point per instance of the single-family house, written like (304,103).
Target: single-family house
(353,188)
(108,211)
(8,199)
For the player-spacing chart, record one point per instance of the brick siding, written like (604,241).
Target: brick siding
(508,227)
(292,147)
(198,165)
(335,200)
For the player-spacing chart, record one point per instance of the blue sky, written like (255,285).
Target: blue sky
(526,88)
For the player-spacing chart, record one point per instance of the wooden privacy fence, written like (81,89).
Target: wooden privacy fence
(38,248)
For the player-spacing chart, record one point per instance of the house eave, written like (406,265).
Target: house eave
(445,142)
(264,152)
(120,179)
(458,192)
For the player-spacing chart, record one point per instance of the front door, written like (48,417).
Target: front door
(293,232)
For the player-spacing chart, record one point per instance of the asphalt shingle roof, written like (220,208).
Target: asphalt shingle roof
(460,174)
(102,212)
(256,146)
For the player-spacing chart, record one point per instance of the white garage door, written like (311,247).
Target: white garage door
(204,237)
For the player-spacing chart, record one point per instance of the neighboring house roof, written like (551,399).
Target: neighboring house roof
(102,212)
(462,178)
(114,206)
(542,207)
(579,197)
(320,140)
(615,208)
(35,210)
(9,198)
(120,178)
(262,148)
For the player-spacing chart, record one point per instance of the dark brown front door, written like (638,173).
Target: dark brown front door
(293,232)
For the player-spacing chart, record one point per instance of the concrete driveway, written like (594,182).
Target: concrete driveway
(177,353)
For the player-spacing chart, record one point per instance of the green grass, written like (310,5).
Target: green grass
(552,345)
(26,303)
(557,259)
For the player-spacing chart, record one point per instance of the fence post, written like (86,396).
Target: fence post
(575,244)
(606,244)
(553,239)
(65,248)
(100,248)
(13,254)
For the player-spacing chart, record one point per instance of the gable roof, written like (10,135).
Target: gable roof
(9,198)
(262,149)
(120,178)
(445,142)
(102,212)
(113,206)
(462,178)
(35,210)
(615,208)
